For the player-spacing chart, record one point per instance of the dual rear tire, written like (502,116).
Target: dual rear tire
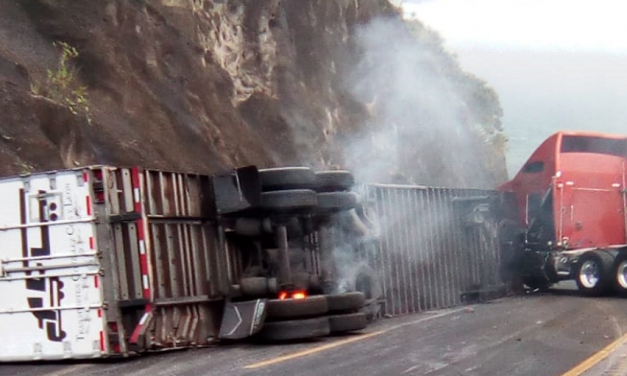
(289,178)
(292,330)
(593,273)
(300,189)
(599,272)
(315,316)
(620,274)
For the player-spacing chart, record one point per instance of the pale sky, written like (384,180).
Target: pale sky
(556,64)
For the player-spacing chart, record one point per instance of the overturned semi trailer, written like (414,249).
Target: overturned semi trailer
(107,261)
(429,248)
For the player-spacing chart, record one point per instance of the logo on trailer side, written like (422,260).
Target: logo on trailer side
(51,288)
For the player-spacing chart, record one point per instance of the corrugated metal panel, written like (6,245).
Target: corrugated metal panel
(188,264)
(428,255)
(167,256)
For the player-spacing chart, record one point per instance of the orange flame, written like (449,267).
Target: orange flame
(299,295)
(292,295)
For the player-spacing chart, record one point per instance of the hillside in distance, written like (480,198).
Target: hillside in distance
(206,85)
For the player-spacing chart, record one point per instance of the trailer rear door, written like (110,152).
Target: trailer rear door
(50,293)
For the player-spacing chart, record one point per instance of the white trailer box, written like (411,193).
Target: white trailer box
(51,302)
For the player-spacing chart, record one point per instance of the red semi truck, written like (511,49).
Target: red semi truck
(570,218)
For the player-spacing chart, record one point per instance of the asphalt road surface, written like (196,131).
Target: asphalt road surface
(552,334)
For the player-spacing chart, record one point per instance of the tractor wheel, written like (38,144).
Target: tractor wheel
(620,274)
(335,202)
(334,181)
(289,201)
(348,322)
(287,178)
(594,273)
(350,301)
(297,308)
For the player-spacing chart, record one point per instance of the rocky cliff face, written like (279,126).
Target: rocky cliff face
(204,85)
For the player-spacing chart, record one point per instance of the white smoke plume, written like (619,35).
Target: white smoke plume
(422,129)
(431,124)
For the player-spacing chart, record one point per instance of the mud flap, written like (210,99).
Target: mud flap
(237,190)
(243,319)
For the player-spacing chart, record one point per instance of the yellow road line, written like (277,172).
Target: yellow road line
(597,357)
(314,350)
(350,340)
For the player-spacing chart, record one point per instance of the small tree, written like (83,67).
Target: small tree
(62,85)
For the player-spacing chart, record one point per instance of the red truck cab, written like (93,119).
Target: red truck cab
(571,195)
(583,175)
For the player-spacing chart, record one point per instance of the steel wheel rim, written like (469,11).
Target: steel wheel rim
(589,275)
(621,274)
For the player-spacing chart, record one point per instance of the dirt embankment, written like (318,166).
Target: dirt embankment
(204,85)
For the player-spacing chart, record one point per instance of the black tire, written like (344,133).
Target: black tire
(295,329)
(333,181)
(287,178)
(348,322)
(594,273)
(336,201)
(289,201)
(620,274)
(350,301)
(297,308)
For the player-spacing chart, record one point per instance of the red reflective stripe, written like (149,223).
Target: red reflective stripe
(135,335)
(91,242)
(85,177)
(102,343)
(96,283)
(140,229)
(99,312)
(136,188)
(141,235)
(143,260)
(88,202)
